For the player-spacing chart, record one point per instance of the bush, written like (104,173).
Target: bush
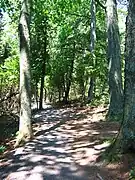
(132,174)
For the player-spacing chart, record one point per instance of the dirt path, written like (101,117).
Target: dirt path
(66,146)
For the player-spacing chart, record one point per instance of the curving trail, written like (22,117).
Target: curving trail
(67,145)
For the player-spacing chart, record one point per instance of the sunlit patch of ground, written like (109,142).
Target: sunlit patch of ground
(66,146)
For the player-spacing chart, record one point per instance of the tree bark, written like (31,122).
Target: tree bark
(91,90)
(43,70)
(128,130)
(114,59)
(25,130)
(92,46)
(42,86)
(70,76)
(36,93)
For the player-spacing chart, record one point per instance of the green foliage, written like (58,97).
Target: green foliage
(2,149)
(132,174)
(61,24)
(9,72)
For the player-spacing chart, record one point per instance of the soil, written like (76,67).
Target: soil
(68,144)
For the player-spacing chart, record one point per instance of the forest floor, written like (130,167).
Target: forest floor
(67,145)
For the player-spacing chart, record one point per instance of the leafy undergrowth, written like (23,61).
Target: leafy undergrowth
(2,149)
(8,128)
(89,135)
(132,174)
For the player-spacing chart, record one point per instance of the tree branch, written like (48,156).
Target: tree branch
(98,175)
(79,15)
(100,4)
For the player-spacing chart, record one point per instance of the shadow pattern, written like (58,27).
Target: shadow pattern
(66,146)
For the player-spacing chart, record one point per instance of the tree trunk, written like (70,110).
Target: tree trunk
(114,60)
(128,131)
(36,94)
(91,90)
(45,98)
(92,45)
(25,130)
(70,76)
(59,92)
(42,87)
(43,71)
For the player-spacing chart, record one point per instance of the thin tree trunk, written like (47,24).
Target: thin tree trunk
(45,98)
(59,94)
(91,90)
(92,45)
(114,59)
(42,87)
(43,71)
(70,76)
(25,130)
(36,93)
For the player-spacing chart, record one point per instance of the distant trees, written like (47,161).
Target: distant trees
(68,61)
(69,75)
(64,59)
(64,72)
(92,47)
(44,58)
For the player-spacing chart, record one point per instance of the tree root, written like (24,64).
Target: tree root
(22,138)
(99,176)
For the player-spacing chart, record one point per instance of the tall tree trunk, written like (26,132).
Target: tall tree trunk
(45,97)
(59,93)
(128,131)
(42,86)
(36,93)
(91,89)
(114,59)
(25,130)
(92,45)
(43,70)
(70,76)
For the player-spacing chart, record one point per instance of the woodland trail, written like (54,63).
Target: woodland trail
(67,145)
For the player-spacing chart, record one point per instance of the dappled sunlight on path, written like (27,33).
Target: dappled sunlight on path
(66,146)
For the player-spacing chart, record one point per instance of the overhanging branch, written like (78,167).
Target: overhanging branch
(100,4)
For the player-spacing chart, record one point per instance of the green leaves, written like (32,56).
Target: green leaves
(2,149)
(59,23)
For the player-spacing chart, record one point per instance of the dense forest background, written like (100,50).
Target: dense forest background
(61,51)
(67,53)
(62,65)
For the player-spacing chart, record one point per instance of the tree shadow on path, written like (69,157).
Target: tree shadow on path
(66,145)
